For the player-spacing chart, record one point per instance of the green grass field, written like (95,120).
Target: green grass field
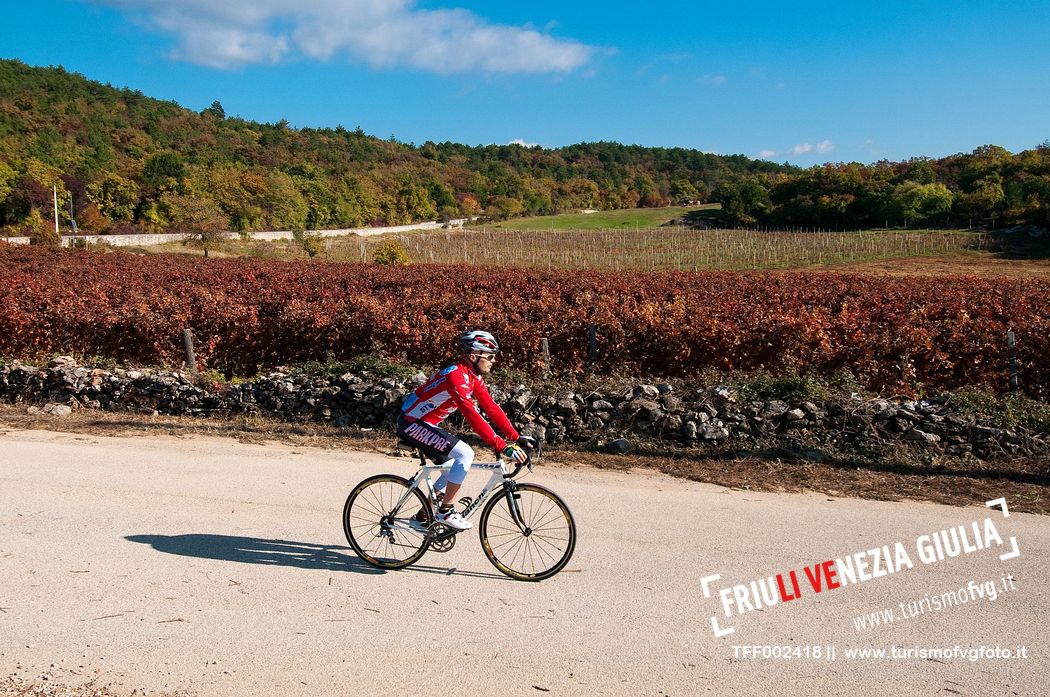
(603,220)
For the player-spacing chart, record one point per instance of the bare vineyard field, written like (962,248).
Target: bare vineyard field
(665,249)
(874,252)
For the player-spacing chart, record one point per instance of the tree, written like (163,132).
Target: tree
(283,203)
(199,219)
(313,244)
(415,203)
(391,253)
(163,171)
(115,197)
(40,231)
(683,190)
(469,206)
(504,207)
(916,203)
(8,175)
(215,110)
(743,201)
(1037,200)
(921,171)
(984,199)
(442,195)
(91,221)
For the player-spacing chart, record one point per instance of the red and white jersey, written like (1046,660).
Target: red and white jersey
(456,387)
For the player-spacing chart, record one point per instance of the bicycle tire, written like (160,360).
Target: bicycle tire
(545,550)
(377,541)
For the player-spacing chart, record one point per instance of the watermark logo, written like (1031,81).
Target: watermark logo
(859,567)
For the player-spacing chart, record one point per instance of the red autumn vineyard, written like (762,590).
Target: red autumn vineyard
(250,315)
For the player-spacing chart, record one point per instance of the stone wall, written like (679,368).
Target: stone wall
(162,238)
(711,418)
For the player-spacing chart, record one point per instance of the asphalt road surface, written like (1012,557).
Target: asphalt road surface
(211,567)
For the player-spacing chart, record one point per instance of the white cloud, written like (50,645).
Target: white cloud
(523,143)
(823,147)
(381,33)
(766,154)
(712,79)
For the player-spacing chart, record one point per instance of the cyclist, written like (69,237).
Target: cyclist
(447,390)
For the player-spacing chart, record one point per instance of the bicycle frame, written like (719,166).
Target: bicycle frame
(499,474)
(532,543)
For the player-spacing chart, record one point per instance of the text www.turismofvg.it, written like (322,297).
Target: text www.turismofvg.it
(936,602)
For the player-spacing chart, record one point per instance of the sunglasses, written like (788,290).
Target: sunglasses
(490,357)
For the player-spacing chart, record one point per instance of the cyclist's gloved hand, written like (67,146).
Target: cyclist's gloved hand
(527,442)
(514,452)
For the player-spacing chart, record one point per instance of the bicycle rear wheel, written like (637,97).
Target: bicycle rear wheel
(379,535)
(543,548)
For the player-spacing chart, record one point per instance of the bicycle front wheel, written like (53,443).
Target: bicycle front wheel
(380,535)
(539,551)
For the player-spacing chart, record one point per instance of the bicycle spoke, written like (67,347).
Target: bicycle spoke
(497,512)
(540,542)
(522,551)
(370,508)
(393,544)
(531,547)
(504,543)
(376,503)
(550,557)
(552,515)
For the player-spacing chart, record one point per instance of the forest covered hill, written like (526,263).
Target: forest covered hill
(136,160)
(131,162)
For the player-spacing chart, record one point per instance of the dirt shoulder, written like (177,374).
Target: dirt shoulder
(1025,481)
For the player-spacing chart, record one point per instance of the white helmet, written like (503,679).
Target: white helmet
(478,341)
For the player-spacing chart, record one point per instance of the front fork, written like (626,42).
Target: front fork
(510,490)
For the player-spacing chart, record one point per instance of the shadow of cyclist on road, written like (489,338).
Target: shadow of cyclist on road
(254,550)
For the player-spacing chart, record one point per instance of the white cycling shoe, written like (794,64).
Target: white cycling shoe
(453,519)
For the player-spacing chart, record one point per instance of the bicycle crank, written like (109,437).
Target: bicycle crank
(442,537)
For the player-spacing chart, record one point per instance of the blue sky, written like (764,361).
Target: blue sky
(802,82)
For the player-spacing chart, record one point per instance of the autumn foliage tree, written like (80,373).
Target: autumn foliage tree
(198,219)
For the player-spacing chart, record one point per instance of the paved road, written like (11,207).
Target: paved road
(219,568)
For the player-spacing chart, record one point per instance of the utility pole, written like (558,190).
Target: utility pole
(54,191)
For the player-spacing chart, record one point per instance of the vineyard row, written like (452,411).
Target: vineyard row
(250,315)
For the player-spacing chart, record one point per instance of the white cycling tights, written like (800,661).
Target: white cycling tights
(462,456)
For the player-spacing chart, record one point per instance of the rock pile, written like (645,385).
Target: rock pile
(710,417)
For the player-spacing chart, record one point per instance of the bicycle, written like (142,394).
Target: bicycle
(526,531)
